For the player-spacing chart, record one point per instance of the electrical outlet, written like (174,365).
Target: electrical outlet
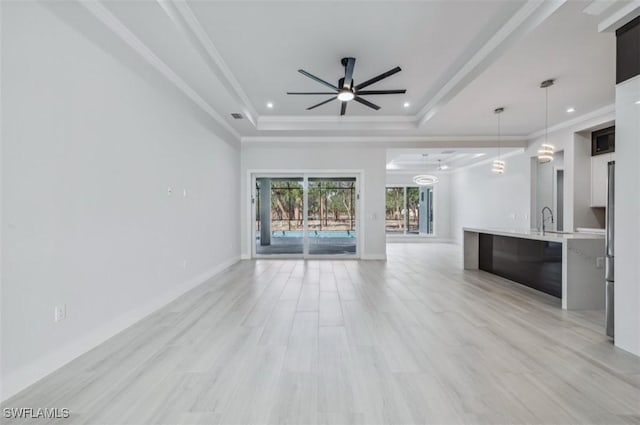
(169,191)
(599,262)
(59,312)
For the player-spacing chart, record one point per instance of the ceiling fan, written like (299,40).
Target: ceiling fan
(346,91)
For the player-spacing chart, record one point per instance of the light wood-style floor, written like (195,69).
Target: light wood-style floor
(415,339)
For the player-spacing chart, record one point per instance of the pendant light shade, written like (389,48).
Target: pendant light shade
(498,164)
(545,154)
(425,179)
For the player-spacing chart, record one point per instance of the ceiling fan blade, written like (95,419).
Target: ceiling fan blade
(366,103)
(319,80)
(310,92)
(348,73)
(343,108)
(378,78)
(363,92)
(321,103)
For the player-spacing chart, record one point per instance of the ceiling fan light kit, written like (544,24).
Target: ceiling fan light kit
(345,95)
(346,91)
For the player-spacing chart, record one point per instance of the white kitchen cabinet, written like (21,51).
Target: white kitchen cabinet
(599,179)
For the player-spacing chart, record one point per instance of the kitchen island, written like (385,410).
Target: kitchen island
(569,266)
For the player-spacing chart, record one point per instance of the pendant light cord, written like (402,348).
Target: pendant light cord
(546,115)
(499,139)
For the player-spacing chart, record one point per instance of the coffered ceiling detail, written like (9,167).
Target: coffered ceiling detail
(459,60)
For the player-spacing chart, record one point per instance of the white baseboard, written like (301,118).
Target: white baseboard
(417,239)
(373,257)
(245,257)
(50,362)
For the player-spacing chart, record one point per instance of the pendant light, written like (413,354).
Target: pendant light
(545,154)
(498,164)
(425,179)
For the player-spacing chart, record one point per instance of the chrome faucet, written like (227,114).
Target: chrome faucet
(543,219)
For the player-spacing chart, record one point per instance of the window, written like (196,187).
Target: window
(409,210)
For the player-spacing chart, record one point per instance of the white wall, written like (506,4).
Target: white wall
(484,199)
(89,149)
(335,157)
(546,191)
(627,215)
(441,201)
(575,142)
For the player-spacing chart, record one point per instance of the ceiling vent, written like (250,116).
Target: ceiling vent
(236,115)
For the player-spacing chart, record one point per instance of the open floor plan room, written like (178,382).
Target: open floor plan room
(319,212)
(353,342)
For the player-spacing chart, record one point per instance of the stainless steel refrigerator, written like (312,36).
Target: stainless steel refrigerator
(609,247)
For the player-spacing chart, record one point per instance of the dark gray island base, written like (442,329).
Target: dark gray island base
(568,266)
(534,263)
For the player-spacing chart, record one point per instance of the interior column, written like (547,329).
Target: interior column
(265,211)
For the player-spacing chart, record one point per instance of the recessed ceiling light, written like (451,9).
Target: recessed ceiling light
(570,110)
(406,104)
(637,102)
(269,105)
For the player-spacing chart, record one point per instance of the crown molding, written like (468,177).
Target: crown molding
(489,159)
(126,35)
(183,17)
(338,118)
(597,7)
(395,142)
(528,17)
(624,15)
(331,122)
(606,113)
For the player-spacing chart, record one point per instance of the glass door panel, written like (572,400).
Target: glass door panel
(279,215)
(394,217)
(409,210)
(332,215)
(426,207)
(413,210)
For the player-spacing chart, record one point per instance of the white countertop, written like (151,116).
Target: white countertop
(534,234)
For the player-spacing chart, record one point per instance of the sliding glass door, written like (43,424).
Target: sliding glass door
(306,215)
(279,215)
(332,226)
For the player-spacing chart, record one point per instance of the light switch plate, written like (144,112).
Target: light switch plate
(59,312)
